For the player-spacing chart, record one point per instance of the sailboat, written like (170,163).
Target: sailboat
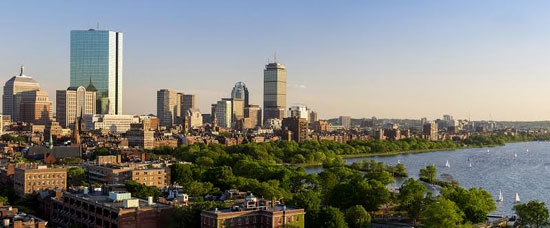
(447,164)
(470,165)
(517,198)
(398,162)
(526,150)
(500,198)
(516,155)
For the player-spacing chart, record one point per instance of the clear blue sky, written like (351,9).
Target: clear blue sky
(403,59)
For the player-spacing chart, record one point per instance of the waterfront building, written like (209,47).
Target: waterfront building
(31,178)
(97,55)
(35,107)
(72,103)
(223,113)
(429,131)
(13,88)
(274,91)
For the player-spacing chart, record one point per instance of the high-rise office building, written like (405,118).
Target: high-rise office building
(252,117)
(168,107)
(188,102)
(35,107)
(97,55)
(240,92)
(274,91)
(223,113)
(299,111)
(72,103)
(237,109)
(11,99)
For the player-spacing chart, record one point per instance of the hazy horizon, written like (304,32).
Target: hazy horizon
(389,59)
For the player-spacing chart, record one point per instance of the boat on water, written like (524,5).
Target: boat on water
(470,165)
(526,150)
(398,161)
(517,200)
(448,165)
(500,198)
(516,155)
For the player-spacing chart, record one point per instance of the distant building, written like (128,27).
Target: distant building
(13,88)
(320,126)
(193,118)
(299,111)
(429,131)
(188,102)
(240,92)
(11,217)
(97,55)
(27,180)
(237,109)
(297,127)
(139,136)
(274,91)
(275,124)
(35,107)
(313,116)
(119,173)
(223,113)
(345,121)
(72,103)
(252,117)
(112,123)
(254,213)
(169,107)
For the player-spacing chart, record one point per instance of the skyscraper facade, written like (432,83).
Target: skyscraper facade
(223,113)
(169,107)
(188,102)
(11,99)
(97,55)
(35,107)
(72,103)
(274,91)
(240,92)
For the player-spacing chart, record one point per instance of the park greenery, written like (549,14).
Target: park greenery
(533,214)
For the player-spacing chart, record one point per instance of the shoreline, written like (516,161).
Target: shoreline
(394,153)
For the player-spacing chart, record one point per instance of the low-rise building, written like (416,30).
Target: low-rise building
(254,213)
(27,180)
(112,210)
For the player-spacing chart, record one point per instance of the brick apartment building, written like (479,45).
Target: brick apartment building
(119,173)
(96,209)
(254,213)
(31,178)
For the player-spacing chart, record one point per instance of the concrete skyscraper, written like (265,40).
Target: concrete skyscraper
(274,91)
(96,55)
(11,99)
(169,107)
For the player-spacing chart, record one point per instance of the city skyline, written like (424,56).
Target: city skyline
(489,64)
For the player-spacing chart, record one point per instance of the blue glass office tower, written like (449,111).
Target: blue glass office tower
(96,57)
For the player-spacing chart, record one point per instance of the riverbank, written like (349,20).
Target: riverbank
(393,153)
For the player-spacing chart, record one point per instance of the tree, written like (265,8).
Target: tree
(428,174)
(329,217)
(309,200)
(442,213)
(75,176)
(476,203)
(190,216)
(412,198)
(141,190)
(357,217)
(533,214)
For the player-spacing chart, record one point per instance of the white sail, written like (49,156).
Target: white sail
(470,165)
(527,150)
(447,164)
(398,162)
(517,198)
(500,198)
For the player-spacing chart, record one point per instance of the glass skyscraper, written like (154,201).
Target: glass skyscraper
(96,57)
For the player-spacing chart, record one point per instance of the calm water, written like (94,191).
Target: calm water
(528,174)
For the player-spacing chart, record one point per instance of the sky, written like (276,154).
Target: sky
(390,59)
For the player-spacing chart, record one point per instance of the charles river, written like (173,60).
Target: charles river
(494,169)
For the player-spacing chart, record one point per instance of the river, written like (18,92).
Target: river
(494,169)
